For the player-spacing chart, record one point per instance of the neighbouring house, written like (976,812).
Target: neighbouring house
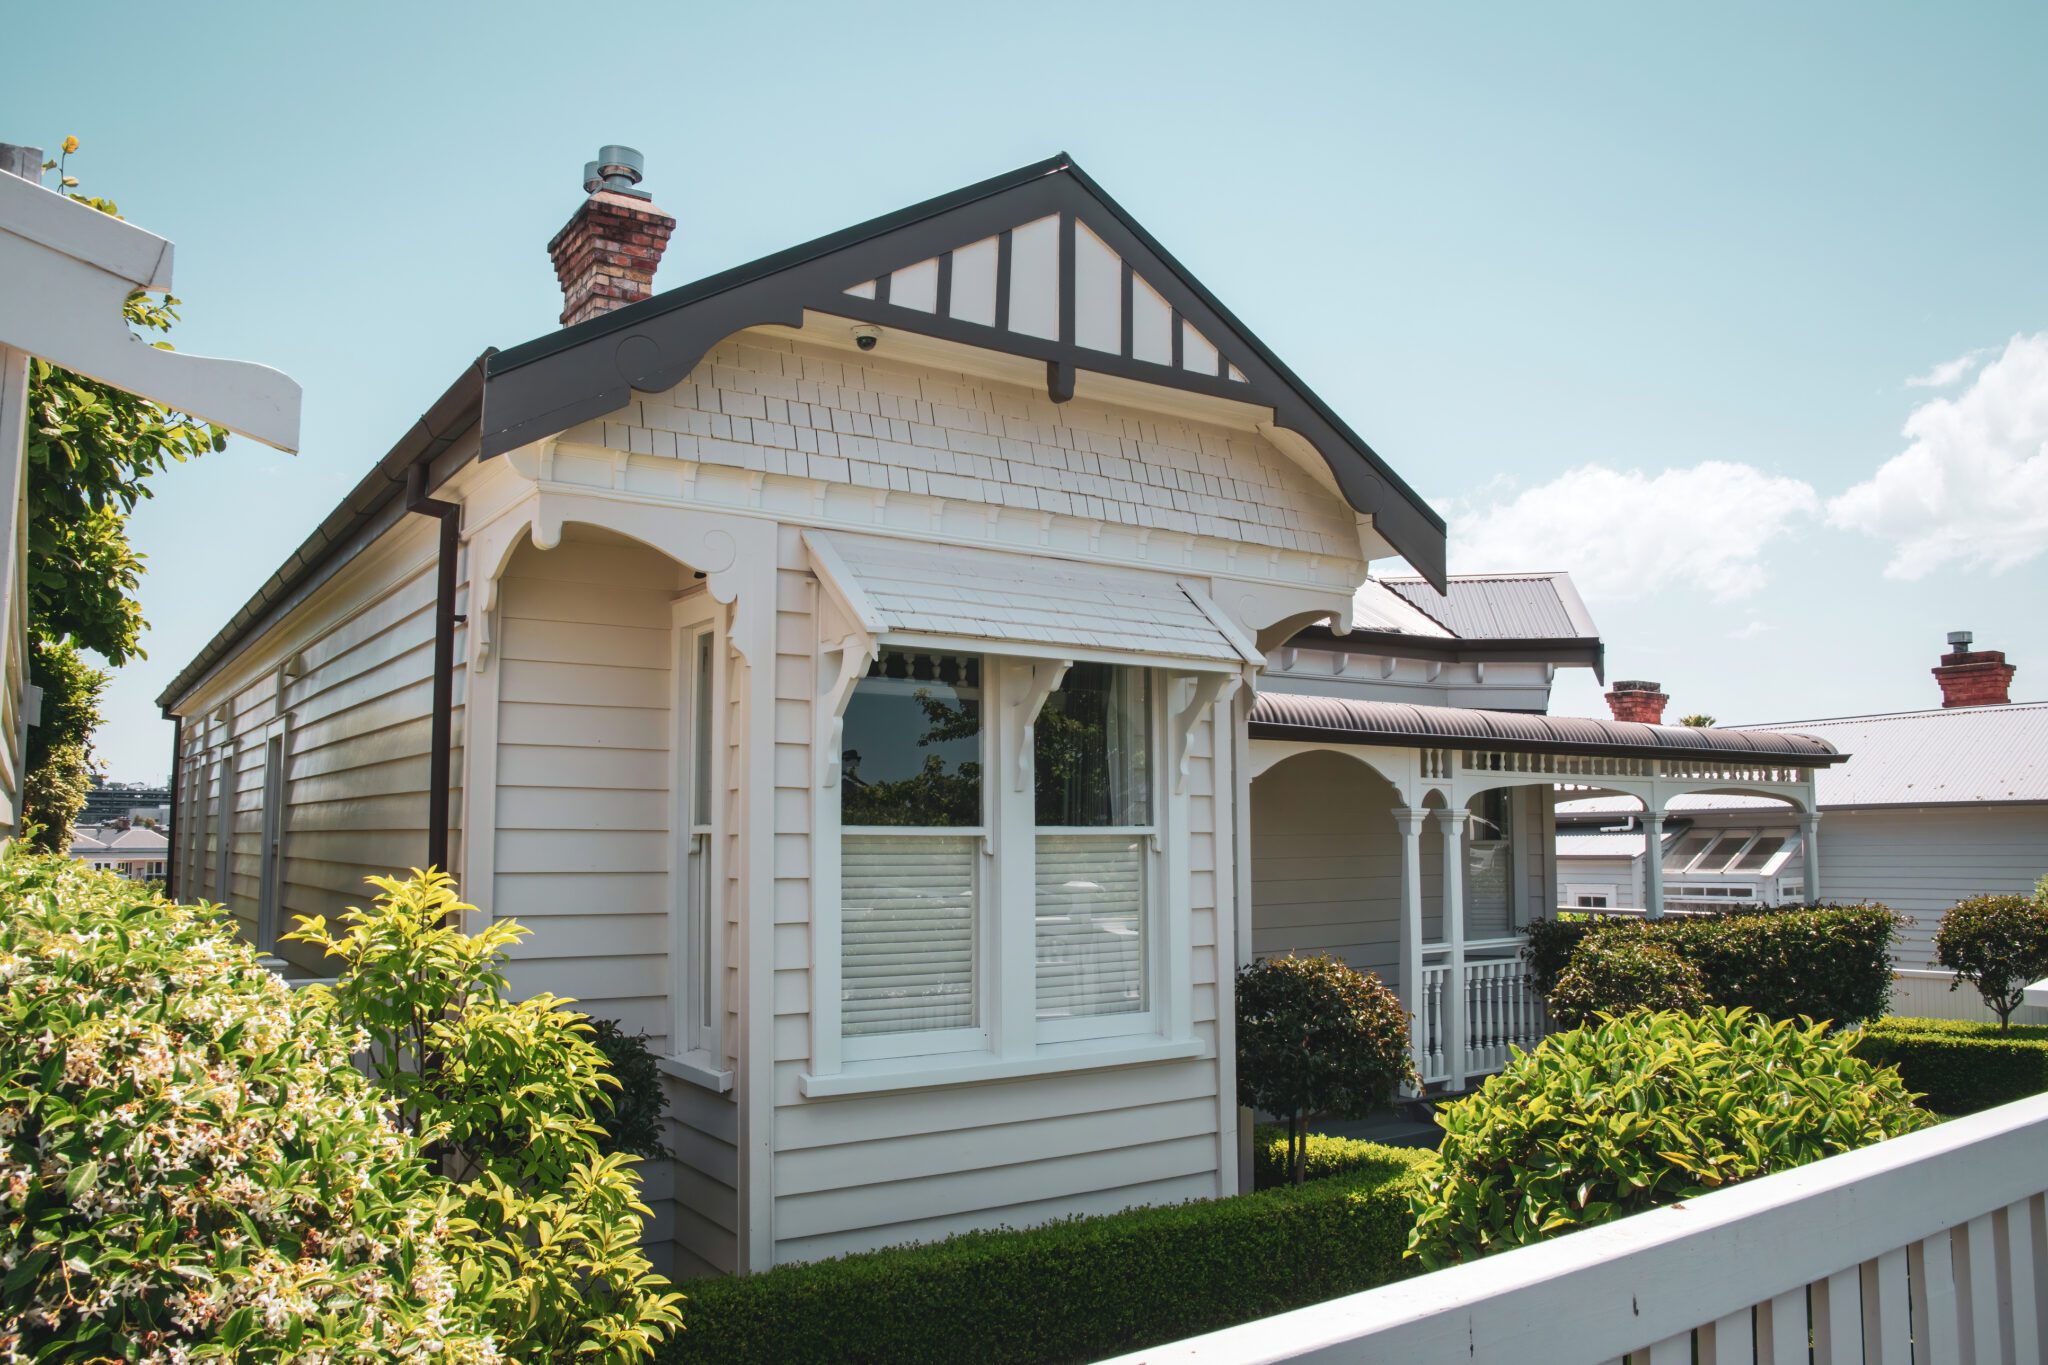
(134,802)
(906,676)
(1930,807)
(137,852)
(66,269)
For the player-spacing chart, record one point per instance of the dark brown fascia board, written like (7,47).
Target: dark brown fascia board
(1567,651)
(364,514)
(547,385)
(1315,734)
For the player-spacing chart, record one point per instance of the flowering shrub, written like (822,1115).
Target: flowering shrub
(189,1164)
(508,1093)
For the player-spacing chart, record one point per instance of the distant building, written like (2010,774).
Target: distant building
(134,802)
(135,852)
(1931,807)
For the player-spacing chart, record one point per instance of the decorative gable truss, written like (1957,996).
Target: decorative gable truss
(1053,279)
(1040,263)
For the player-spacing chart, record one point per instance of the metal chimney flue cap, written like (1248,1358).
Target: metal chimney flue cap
(616,171)
(1959,640)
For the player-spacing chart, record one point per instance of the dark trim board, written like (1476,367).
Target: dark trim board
(1571,651)
(545,386)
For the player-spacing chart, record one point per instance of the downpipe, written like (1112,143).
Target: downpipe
(441,739)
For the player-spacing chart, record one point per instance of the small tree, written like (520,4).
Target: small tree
(1999,944)
(1315,1037)
(1698,720)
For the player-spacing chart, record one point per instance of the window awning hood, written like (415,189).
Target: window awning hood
(1013,603)
(1345,720)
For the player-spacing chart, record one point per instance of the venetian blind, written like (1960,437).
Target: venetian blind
(1091,951)
(906,933)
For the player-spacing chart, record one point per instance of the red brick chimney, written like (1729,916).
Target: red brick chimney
(606,253)
(1638,701)
(1973,677)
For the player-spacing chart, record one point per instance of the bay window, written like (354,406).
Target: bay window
(1001,870)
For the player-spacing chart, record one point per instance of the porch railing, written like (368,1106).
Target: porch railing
(1924,1250)
(1502,1009)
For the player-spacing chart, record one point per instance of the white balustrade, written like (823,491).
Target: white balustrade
(1502,1009)
(1929,1249)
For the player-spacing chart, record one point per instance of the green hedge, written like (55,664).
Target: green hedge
(1825,962)
(1960,1066)
(1327,1156)
(1069,1291)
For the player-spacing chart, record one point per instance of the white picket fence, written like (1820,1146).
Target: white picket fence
(1930,1249)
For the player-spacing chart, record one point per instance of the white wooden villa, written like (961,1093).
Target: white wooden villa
(906,676)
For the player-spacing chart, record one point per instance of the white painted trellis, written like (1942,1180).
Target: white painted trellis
(1929,1249)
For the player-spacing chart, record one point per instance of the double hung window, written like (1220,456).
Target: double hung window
(979,911)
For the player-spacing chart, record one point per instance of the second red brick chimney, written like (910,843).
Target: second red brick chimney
(1637,701)
(1973,677)
(606,254)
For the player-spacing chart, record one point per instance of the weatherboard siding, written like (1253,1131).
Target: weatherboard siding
(357,709)
(1922,861)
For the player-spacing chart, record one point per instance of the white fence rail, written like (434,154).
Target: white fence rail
(1930,1249)
(1502,1009)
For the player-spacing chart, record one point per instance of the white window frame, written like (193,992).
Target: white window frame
(696,956)
(1008,1039)
(276,808)
(1605,891)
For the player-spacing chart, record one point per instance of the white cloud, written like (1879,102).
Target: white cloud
(1971,487)
(1625,534)
(1750,629)
(1947,372)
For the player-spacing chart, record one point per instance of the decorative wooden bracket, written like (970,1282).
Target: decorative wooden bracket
(854,654)
(1045,680)
(1209,688)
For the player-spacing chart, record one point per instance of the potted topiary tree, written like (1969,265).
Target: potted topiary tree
(1999,944)
(1317,1037)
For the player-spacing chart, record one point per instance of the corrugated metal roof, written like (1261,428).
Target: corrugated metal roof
(1592,844)
(1349,720)
(998,596)
(1521,606)
(1377,607)
(1969,755)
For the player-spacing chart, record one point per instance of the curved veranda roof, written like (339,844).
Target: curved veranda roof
(1348,720)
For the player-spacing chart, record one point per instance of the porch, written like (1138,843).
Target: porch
(1420,842)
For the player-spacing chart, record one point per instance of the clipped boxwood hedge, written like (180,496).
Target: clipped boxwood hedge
(1823,962)
(1074,1290)
(1960,1066)
(1327,1156)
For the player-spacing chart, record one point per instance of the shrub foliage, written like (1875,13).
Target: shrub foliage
(1826,962)
(1628,1113)
(1616,973)
(1999,944)
(1075,1290)
(1315,1036)
(189,1164)
(507,1092)
(1323,1156)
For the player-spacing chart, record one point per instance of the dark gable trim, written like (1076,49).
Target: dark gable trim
(371,508)
(550,384)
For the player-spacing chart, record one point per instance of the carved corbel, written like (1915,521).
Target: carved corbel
(840,668)
(1209,689)
(1045,680)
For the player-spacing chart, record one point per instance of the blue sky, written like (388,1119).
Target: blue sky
(1635,291)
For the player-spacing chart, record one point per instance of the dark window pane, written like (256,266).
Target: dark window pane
(1091,749)
(912,748)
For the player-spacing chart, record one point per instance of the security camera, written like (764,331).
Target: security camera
(867,337)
